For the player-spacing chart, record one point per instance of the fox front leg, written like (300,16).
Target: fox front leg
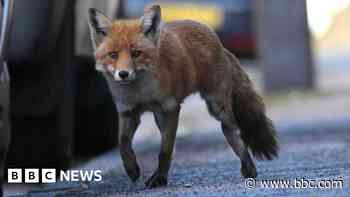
(167,123)
(128,123)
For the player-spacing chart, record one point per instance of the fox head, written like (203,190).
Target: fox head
(125,48)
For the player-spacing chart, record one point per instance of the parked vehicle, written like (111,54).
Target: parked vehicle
(6,23)
(59,107)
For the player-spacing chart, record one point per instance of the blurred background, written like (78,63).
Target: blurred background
(62,114)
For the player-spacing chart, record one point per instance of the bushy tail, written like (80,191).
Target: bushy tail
(257,130)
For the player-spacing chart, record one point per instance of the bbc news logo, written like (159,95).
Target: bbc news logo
(50,175)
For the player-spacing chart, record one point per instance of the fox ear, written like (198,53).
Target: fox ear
(99,25)
(151,21)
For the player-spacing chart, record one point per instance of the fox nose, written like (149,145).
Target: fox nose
(123,74)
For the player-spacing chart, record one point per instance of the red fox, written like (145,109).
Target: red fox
(153,66)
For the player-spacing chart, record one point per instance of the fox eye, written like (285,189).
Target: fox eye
(113,55)
(135,53)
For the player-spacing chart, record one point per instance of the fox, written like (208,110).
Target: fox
(152,66)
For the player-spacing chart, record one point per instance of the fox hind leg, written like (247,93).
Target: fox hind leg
(222,111)
(248,169)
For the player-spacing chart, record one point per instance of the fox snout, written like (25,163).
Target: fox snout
(122,75)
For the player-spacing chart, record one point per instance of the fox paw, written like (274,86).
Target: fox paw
(249,171)
(156,180)
(134,173)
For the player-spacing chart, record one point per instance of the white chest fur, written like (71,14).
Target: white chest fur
(143,93)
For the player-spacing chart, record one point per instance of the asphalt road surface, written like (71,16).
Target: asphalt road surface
(204,165)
